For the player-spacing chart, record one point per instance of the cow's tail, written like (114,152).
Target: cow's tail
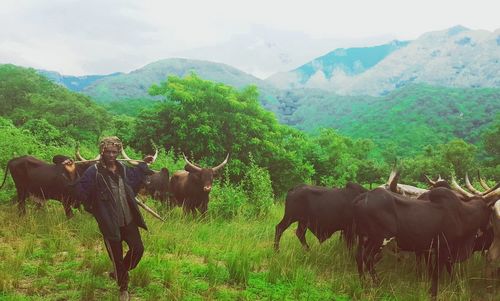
(5,176)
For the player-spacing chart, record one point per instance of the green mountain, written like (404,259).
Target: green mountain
(74,83)
(39,105)
(408,118)
(135,85)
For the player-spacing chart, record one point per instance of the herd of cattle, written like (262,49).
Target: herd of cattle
(41,180)
(444,225)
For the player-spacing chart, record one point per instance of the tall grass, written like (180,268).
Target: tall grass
(44,256)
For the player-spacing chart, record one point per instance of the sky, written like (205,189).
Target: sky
(101,37)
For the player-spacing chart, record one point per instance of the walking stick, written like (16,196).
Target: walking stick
(151,211)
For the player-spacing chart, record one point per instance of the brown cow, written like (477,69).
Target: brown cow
(190,187)
(42,180)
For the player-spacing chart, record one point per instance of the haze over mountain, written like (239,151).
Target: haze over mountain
(456,57)
(350,62)
(263,51)
(135,85)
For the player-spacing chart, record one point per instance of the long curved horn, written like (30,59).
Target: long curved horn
(155,155)
(429,181)
(221,165)
(83,160)
(487,192)
(392,182)
(391,177)
(131,161)
(459,189)
(493,196)
(485,186)
(78,155)
(469,185)
(191,164)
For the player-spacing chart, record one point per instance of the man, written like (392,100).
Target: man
(107,190)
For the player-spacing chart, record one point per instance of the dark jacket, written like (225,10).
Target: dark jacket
(94,194)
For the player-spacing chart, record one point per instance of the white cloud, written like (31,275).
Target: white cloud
(88,37)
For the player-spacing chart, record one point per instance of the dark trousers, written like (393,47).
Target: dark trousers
(130,234)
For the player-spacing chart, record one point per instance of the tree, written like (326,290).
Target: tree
(206,120)
(491,140)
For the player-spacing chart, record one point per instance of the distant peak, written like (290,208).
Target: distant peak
(456,30)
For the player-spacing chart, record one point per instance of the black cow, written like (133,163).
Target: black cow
(190,187)
(42,180)
(443,223)
(157,185)
(321,210)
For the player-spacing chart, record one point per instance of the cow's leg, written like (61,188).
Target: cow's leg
(21,205)
(493,257)
(163,197)
(186,206)
(418,261)
(203,208)
(373,249)
(436,269)
(301,234)
(349,236)
(190,207)
(67,208)
(441,255)
(280,228)
(361,257)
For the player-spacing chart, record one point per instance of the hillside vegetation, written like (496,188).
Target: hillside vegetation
(408,119)
(135,85)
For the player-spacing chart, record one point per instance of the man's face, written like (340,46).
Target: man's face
(110,153)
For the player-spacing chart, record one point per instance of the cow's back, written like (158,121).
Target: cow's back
(322,209)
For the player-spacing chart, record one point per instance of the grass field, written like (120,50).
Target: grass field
(44,256)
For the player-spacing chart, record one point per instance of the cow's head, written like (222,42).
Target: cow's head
(68,166)
(205,176)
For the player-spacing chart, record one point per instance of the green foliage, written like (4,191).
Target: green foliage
(44,132)
(208,120)
(226,200)
(491,138)
(338,159)
(128,107)
(25,95)
(253,197)
(258,188)
(453,158)
(408,118)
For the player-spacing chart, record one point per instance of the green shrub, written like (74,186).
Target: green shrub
(258,188)
(226,200)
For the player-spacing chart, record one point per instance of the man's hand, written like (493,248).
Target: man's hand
(148,159)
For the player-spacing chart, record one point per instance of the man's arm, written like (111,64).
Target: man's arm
(85,188)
